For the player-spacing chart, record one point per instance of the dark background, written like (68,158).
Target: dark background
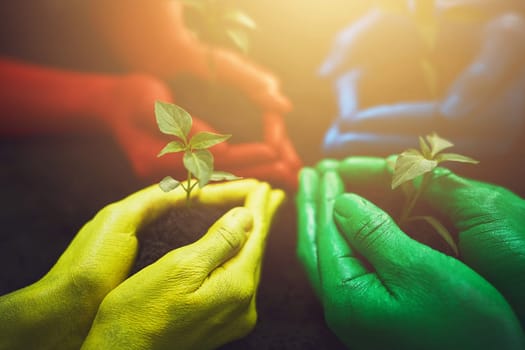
(51,185)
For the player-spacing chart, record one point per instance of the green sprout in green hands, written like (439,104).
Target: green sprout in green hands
(197,159)
(413,163)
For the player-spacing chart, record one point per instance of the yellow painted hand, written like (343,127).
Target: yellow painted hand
(199,296)
(57,311)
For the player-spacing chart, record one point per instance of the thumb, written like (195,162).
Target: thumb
(224,239)
(372,232)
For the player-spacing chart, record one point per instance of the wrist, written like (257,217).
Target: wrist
(110,330)
(40,316)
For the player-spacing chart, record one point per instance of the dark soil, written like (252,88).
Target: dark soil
(174,229)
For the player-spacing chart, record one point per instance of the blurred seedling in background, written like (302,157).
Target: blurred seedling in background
(197,159)
(414,163)
(218,21)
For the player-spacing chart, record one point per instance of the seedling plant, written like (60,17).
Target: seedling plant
(414,163)
(197,159)
(220,20)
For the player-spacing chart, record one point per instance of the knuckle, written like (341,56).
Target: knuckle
(230,237)
(495,200)
(183,259)
(372,228)
(87,283)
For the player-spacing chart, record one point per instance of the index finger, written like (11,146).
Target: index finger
(262,202)
(365,171)
(231,193)
(306,202)
(138,209)
(142,207)
(337,262)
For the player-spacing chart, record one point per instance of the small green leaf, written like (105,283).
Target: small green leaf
(411,151)
(203,140)
(409,165)
(441,230)
(437,144)
(223,176)
(172,119)
(425,149)
(200,164)
(168,184)
(454,157)
(239,38)
(240,18)
(172,147)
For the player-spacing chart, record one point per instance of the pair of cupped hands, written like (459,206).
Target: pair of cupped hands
(391,85)
(153,39)
(199,296)
(382,289)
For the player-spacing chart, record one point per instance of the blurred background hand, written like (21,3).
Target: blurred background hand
(153,38)
(392,84)
(486,219)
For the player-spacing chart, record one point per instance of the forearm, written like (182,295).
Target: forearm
(35,99)
(36,317)
(109,333)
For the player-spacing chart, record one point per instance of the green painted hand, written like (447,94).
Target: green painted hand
(380,288)
(489,220)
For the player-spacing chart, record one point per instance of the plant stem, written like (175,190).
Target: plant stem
(188,189)
(407,209)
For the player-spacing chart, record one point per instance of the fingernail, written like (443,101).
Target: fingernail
(347,205)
